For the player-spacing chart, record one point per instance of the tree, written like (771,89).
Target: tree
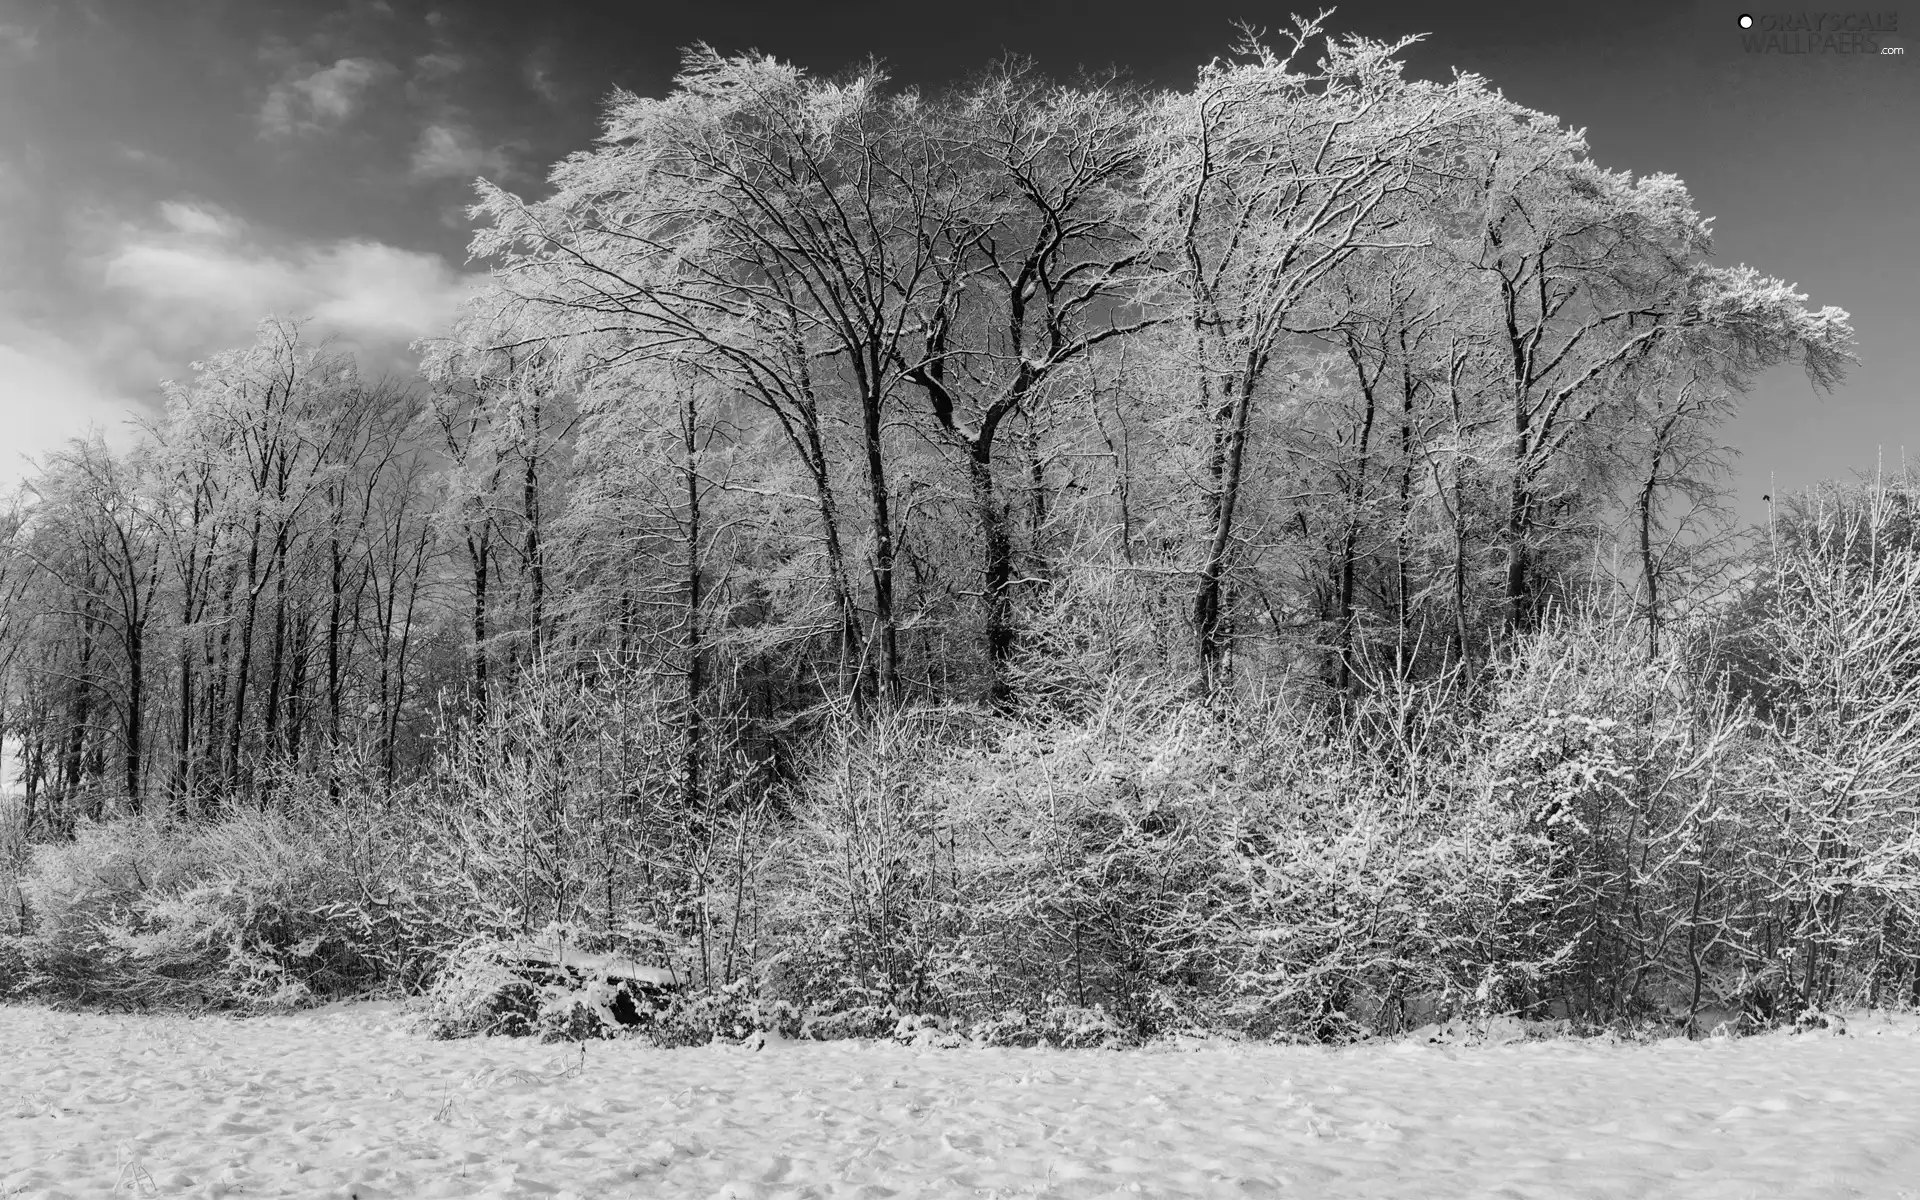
(1044,267)
(1265,179)
(92,537)
(1579,282)
(777,232)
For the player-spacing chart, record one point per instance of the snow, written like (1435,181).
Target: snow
(609,965)
(345,1101)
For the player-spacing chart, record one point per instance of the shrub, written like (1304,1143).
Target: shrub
(568,804)
(861,909)
(475,995)
(255,910)
(1152,861)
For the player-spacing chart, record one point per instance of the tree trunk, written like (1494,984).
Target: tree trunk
(1228,468)
(1356,500)
(887,668)
(531,547)
(271,727)
(997,569)
(692,728)
(1649,574)
(479,552)
(136,710)
(244,668)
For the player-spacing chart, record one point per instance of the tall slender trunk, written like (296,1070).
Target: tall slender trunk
(479,556)
(271,724)
(1649,575)
(244,667)
(218,661)
(1644,503)
(1356,500)
(392,717)
(136,709)
(297,667)
(887,668)
(336,602)
(1518,583)
(1037,503)
(531,548)
(1519,517)
(1463,646)
(192,585)
(80,714)
(1228,468)
(692,728)
(997,564)
(183,738)
(802,427)
(1403,531)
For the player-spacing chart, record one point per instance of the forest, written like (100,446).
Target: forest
(1063,562)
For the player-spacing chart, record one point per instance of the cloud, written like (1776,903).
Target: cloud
(322,99)
(450,151)
(18,39)
(201,273)
(199,220)
(49,394)
(188,279)
(373,288)
(537,73)
(438,65)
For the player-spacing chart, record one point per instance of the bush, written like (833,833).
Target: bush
(552,986)
(860,910)
(475,995)
(256,910)
(1156,863)
(568,805)
(1583,833)
(15,853)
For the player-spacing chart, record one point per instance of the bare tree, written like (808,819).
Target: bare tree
(1266,178)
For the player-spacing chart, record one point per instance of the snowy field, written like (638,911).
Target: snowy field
(344,1102)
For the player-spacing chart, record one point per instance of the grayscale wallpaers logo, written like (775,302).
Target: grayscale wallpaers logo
(1820,33)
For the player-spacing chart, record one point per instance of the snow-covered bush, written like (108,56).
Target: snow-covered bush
(569,804)
(1624,768)
(257,909)
(862,906)
(557,985)
(1157,862)
(731,1012)
(475,995)
(1828,645)
(16,852)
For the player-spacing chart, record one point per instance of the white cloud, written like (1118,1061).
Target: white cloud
(48,394)
(455,152)
(199,219)
(190,280)
(321,99)
(370,287)
(202,273)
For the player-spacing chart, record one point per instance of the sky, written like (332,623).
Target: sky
(173,170)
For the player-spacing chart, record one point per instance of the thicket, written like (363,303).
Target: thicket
(1044,561)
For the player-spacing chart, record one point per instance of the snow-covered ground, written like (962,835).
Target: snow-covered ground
(344,1102)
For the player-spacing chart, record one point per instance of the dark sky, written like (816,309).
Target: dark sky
(172,169)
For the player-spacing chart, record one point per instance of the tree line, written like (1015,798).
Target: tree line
(1257,550)
(798,389)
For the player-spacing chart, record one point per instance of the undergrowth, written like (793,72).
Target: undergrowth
(1588,837)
